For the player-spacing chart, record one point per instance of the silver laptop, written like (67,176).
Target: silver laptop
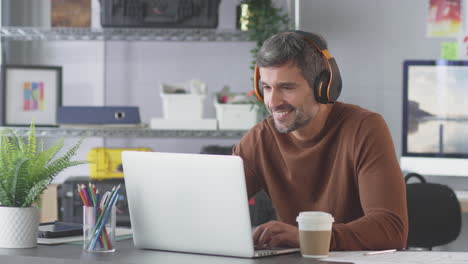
(190,203)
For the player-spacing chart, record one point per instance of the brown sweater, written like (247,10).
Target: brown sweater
(349,169)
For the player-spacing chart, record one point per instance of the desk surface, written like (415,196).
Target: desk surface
(127,253)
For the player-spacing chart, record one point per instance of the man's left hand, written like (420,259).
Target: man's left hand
(276,234)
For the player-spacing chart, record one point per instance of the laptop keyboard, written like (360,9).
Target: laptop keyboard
(268,252)
(265,252)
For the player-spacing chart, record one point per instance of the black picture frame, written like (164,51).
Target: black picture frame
(31,92)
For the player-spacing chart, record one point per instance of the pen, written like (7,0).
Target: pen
(379,252)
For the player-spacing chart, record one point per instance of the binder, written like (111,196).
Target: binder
(98,115)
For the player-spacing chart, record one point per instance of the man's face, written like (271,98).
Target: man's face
(288,97)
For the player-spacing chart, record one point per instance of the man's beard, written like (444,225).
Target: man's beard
(300,120)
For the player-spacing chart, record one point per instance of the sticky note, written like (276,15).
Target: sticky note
(449,51)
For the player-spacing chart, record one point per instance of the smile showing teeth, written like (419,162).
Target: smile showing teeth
(280,114)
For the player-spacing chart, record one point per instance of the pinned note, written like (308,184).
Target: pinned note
(449,51)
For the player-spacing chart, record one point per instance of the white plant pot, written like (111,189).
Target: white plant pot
(18,227)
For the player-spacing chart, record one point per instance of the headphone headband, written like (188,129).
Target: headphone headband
(327,86)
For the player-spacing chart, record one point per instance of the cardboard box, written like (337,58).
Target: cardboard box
(70,13)
(49,204)
(236,116)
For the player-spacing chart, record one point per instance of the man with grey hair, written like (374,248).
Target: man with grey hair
(316,154)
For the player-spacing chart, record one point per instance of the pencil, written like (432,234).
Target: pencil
(81,195)
(86,195)
(91,194)
(379,252)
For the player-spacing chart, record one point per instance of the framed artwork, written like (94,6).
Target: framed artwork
(31,93)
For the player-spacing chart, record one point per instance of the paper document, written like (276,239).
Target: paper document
(407,257)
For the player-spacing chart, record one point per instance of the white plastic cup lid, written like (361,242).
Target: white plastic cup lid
(315,216)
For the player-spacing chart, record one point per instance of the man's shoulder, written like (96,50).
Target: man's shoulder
(358,121)
(354,113)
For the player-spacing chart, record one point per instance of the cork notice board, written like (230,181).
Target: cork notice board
(70,13)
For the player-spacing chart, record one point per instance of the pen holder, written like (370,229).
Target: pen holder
(99,229)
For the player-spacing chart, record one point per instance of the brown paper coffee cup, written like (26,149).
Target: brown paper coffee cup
(314,233)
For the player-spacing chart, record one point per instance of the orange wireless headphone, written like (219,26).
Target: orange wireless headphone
(327,85)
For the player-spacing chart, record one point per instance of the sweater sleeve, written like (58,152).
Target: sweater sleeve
(381,190)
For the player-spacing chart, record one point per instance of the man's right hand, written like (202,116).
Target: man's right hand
(276,234)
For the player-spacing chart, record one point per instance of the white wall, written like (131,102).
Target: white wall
(370,40)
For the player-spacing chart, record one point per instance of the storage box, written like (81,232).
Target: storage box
(183,106)
(106,163)
(236,116)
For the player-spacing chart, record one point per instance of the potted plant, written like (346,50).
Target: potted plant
(261,19)
(26,169)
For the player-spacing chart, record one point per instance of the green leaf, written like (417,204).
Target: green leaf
(41,145)
(31,140)
(23,184)
(18,141)
(43,158)
(54,168)
(4,199)
(3,163)
(34,193)
(11,182)
(9,150)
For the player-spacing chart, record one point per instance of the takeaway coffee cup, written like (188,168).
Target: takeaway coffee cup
(314,233)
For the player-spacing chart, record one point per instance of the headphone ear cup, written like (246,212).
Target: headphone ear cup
(320,87)
(336,83)
(257,89)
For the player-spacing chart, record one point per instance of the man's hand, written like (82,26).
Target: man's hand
(275,234)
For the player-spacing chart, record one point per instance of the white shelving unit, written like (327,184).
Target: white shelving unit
(126,132)
(123,34)
(120,34)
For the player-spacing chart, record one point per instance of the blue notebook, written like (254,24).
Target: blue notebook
(98,115)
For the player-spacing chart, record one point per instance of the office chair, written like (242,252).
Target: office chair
(434,213)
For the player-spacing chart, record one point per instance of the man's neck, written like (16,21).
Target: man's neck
(315,125)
